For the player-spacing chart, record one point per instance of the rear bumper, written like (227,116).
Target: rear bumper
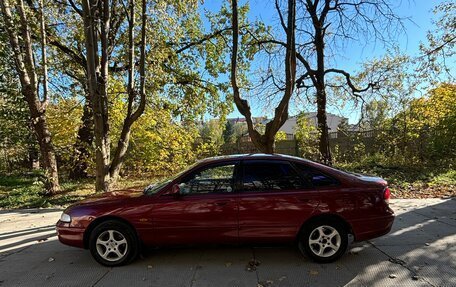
(365,229)
(70,235)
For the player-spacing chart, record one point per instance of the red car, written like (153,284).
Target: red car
(235,199)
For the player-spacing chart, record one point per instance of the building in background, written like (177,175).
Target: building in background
(289,127)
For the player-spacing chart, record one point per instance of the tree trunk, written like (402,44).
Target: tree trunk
(323,146)
(265,142)
(95,12)
(25,66)
(97,75)
(83,144)
(269,146)
(34,162)
(124,139)
(47,151)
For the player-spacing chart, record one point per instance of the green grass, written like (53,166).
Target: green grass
(410,181)
(448,177)
(27,190)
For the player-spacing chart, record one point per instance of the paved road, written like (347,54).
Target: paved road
(420,251)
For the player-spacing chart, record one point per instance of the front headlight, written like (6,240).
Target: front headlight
(65,218)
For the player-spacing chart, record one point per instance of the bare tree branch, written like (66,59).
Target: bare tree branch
(349,82)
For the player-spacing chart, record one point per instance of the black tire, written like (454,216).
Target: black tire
(320,232)
(116,236)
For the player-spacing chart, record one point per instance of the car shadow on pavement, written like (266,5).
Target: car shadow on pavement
(9,241)
(22,232)
(30,210)
(419,251)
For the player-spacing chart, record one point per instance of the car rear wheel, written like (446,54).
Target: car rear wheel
(113,243)
(324,241)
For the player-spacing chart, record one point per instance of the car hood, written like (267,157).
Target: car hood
(117,195)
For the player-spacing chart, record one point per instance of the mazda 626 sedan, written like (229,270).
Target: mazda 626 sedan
(251,199)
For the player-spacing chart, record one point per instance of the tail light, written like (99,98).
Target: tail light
(387,194)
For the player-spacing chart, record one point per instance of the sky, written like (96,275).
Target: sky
(420,17)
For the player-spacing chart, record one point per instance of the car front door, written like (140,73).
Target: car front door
(205,211)
(274,201)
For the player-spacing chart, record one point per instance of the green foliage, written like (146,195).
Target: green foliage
(212,137)
(16,138)
(307,137)
(423,132)
(280,136)
(440,47)
(234,132)
(21,191)
(375,114)
(160,144)
(63,118)
(433,119)
(407,180)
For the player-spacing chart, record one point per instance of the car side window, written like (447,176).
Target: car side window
(314,177)
(267,175)
(212,179)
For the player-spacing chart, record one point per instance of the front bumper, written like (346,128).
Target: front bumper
(71,236)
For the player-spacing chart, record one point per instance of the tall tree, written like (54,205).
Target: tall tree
(98,43)
(324,28)
(439,50)
(265,142)
(327,26)
(179,47)
(22,46)
(70,63)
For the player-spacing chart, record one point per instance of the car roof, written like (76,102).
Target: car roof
(275,156)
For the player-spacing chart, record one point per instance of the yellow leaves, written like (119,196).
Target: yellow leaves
(280,136)
(64,118)
(307,137)
(432,110)
(159,144)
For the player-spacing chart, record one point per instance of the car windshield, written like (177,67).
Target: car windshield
(157,186)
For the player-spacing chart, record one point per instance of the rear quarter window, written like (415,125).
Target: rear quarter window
(315,177)
(269,175)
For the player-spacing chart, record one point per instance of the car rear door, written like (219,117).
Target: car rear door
(206,211)
(274,201)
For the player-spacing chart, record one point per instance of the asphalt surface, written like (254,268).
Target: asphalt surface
(419,251)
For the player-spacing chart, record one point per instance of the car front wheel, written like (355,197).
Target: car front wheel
(324,241)
(113,243)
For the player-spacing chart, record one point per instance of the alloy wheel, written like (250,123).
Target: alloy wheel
(111,245)
(324,241)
